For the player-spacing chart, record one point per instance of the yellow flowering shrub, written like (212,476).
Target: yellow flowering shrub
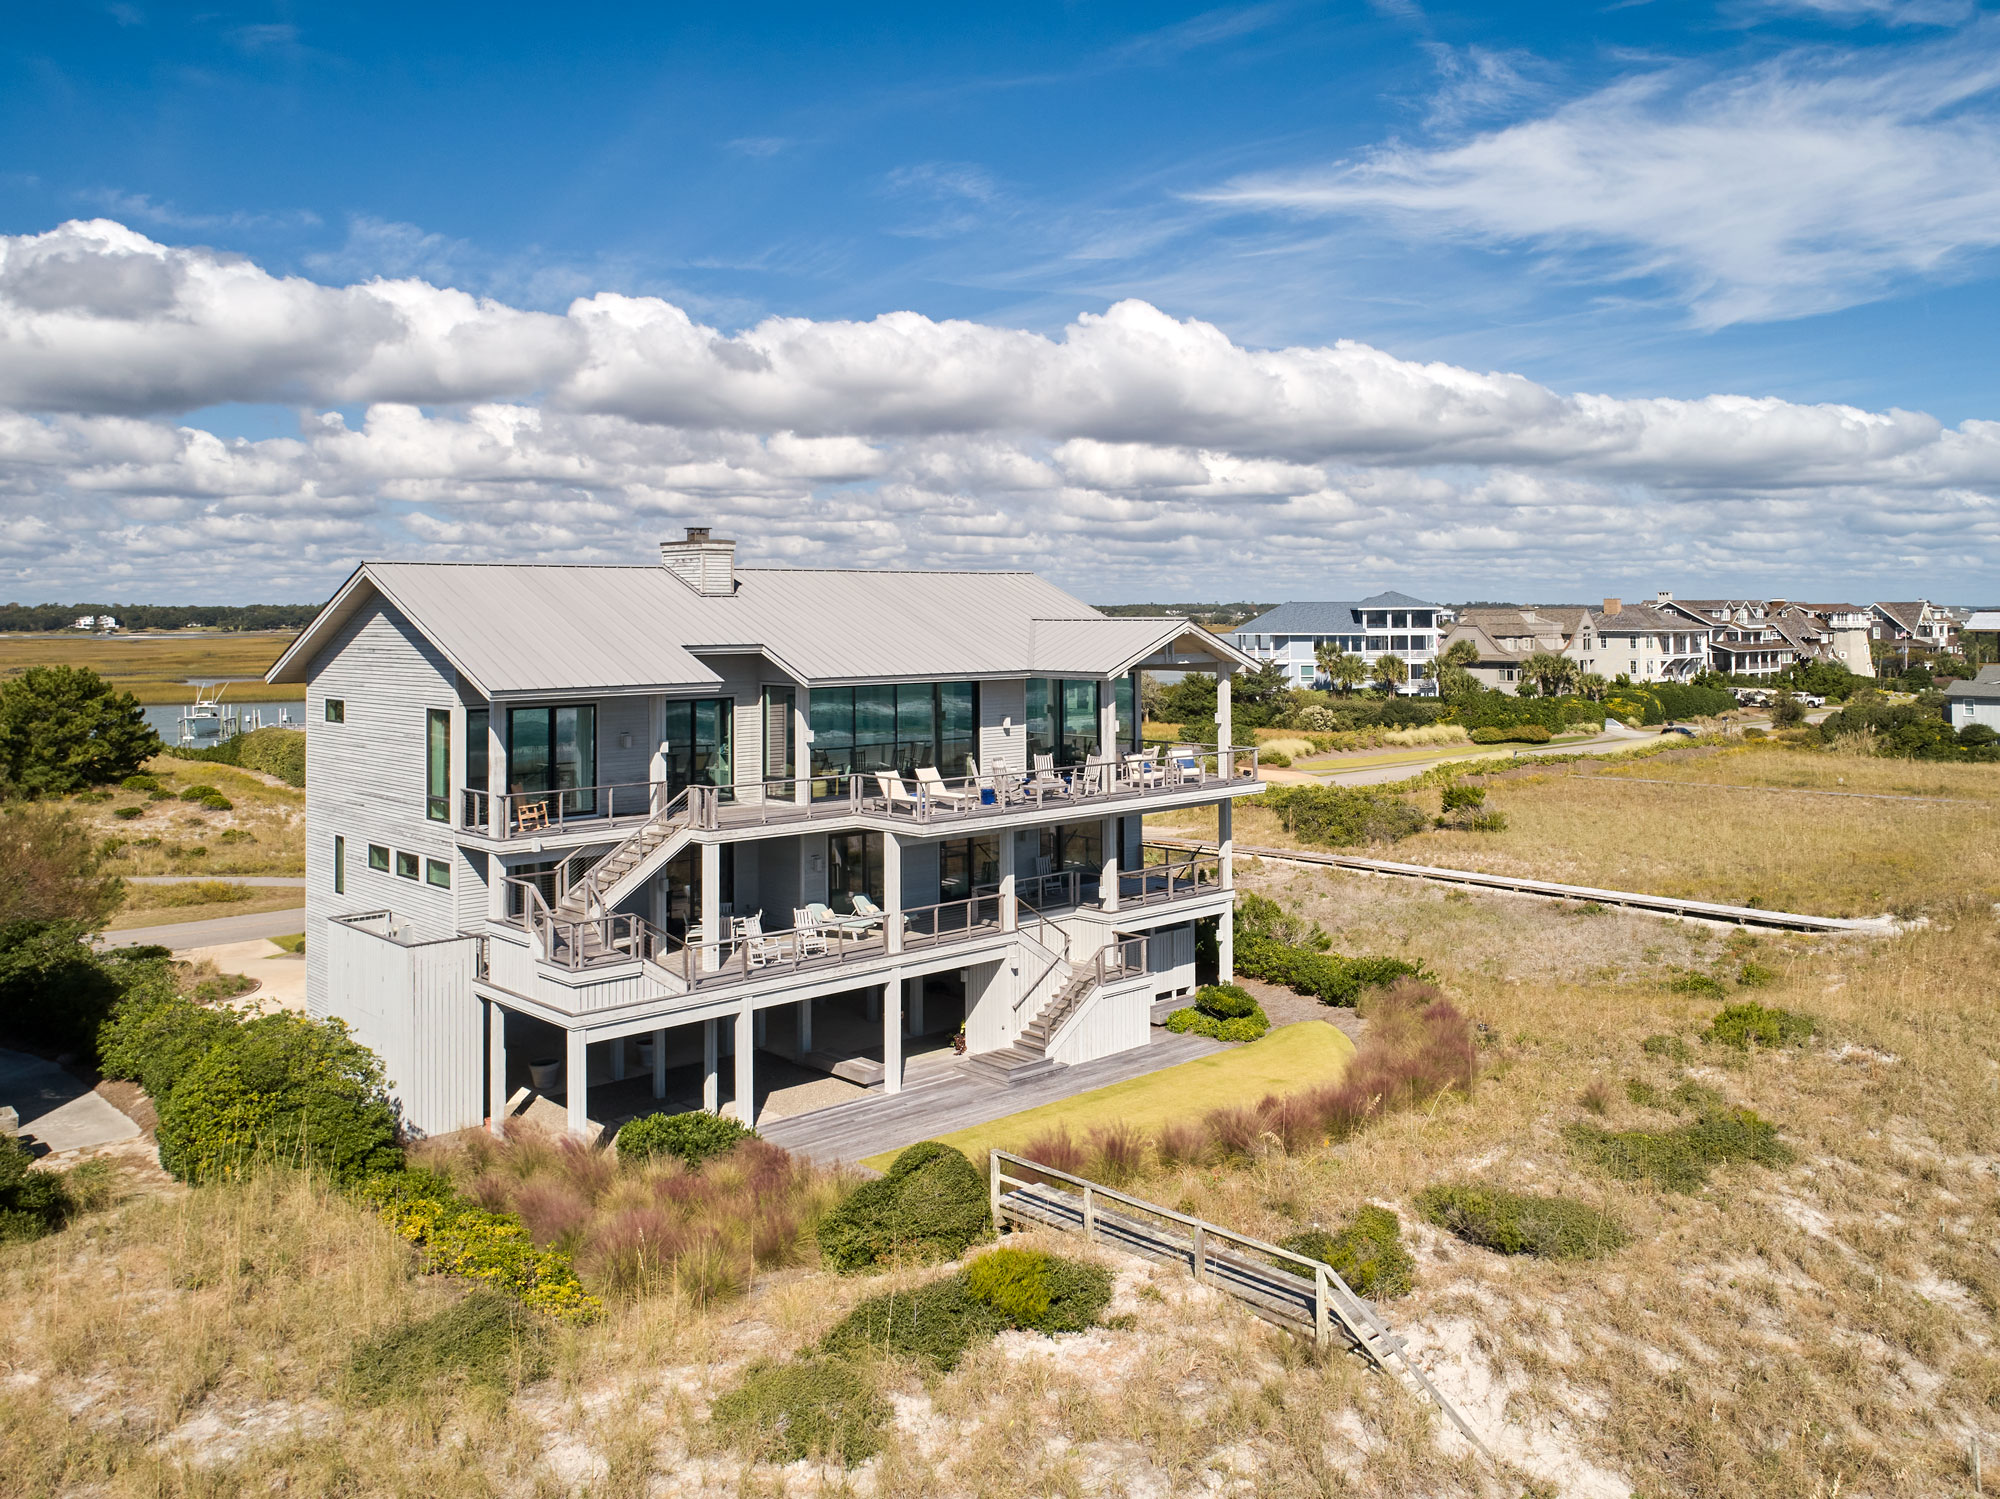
(459,1238)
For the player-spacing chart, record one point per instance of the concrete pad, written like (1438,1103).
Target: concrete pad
(58,1111)
(280,975)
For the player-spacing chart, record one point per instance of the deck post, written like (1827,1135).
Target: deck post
(1322,1323)
(805,1026)
(1089,1215)
(1224,764)
(660,1064)
(892,892)
(618,1059)
(1010,904)
(1107,880)
(576,1083)
(993,1187)
(496,775)
(892,1034)
(746,1072)
(711,907)
(1200,1262)
(711,1068)
(496,1067)
(916,1007)
(1225,924)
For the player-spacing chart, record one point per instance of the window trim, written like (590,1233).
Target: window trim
(437,765)
(433,868)
(335,709)
(408,865)
(339,864)
(378,857)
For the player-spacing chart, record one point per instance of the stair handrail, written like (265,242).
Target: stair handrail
(1055,959)
(684,803)
(535,913)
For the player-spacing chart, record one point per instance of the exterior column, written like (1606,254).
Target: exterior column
(802,745)
(1225,842)
(496,1068)
(1010,905)
(711,1068)
(1224,733)
(892,1034)
(1225,925)
(1225,946)
(618,1060)
(496,889)
(1107,721)
(496,773)
(576,1082)
(1107,880)
(746,1071)
(916,1006)
(659,1064)
(892,890)
(711,906)
(805,1026)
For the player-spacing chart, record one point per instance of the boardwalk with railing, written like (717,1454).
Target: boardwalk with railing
(1300,1294)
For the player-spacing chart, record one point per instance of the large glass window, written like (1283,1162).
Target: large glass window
(854,867)
(339,865)
(555,749)
(437,766)
(966,865)
(860,730)
(779,723)
(1040,715)
(1062,719)
(1125,693)
(478,735)
(699,738)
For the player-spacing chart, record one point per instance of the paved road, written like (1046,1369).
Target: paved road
(264,881)
(211,933)
(57,1110)
(1615,740)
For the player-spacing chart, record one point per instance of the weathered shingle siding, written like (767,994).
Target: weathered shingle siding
(367,780)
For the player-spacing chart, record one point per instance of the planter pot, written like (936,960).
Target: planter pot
(645,1050)
(958,1043)
(545,1077)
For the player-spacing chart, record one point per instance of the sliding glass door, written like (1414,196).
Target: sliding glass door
(1062,719)
(699,736)
(893,727)
(555,750)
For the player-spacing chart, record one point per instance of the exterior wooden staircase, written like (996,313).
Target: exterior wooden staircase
(1028,1057)
(598,884)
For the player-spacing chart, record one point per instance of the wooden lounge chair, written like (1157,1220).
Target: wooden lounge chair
(759,949)
(1143,770)
(1045,781)
(894,792)
(531,817)
(934,790)
(808,937)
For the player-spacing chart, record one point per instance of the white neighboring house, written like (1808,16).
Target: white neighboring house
(1506,637)
(1385,624)
(103,623)
(1838,632)
(554,811)
(1977,701)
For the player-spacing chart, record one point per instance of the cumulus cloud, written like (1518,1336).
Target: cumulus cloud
(1809,183)
(1134,451)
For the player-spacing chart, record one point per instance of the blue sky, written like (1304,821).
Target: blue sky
(1789,201)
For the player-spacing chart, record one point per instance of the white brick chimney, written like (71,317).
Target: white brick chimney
(707,566)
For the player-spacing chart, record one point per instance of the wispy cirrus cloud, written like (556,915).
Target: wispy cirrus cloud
(1805,184)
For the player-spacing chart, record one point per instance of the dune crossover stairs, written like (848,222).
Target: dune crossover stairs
(1301,1295)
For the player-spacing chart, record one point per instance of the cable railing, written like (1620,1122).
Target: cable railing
(1176,875)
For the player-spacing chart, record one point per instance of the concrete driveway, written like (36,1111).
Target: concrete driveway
(58,1112)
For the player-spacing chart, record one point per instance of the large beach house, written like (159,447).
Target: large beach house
(569,825)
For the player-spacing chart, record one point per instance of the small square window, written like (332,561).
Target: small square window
(437,872)
(406,865)
(378,857)
(336,710)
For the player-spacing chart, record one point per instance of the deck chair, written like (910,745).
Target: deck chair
(808,937)
(1142,770)
(868,911)
(894,792)
(932,785)
(1184,765)
(758,948)
(531,817)
(1045,781)
(1097,772)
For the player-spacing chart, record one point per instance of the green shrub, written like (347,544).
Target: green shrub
(1741,1025)
(198,793)
(1225,1001)
(812,1408)
(1004,1288)
(1687,981)
(56,990)
(689,1138)
(1643,1093)
(1459,797)
(1520,733)
(1367,1253)
(155,1034)
(1327,977)
(1223,1012)
(276,752)
(32,1203)
(126,814)
(1671,1047)
(1342,816)
(1276,758)
(281,1088)
(63,728)
(1679,1160)
(1754,975)
(460,1238)
(485,1340)
(932,1205)
(141,783)
(1554,1228)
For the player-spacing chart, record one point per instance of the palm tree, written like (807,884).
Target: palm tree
(1450,671)
(1391,671)
(1592,686)
(1344,670)
(1549,672)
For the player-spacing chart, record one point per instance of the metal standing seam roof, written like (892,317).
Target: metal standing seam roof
(1328,617)
(514,629)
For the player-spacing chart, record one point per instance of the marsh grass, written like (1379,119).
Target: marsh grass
(157,670)
(263,832)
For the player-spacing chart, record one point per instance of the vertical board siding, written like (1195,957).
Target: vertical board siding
(1117,1018)
(415,1009)
(365,781)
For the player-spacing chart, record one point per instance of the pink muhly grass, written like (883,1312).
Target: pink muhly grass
(1117,1151)
(1057,1149)
(1180,1142)
(553,1210)
(1235,1131)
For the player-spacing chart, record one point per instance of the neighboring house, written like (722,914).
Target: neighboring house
(103,622)
(1745,638)
(557,810)
(1654,642)
(1977,701)
(1505,638)
(1386,624)
(1840,632)
(1919,623)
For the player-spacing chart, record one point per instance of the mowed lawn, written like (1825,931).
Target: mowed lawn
(1614,827)
(1287,1059)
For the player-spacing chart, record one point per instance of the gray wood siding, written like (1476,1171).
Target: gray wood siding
(365,780)
(415,1009)
(1003,737)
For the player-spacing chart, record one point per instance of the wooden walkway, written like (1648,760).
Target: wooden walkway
(954,1101)
(1665,905)
(1302,1295)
